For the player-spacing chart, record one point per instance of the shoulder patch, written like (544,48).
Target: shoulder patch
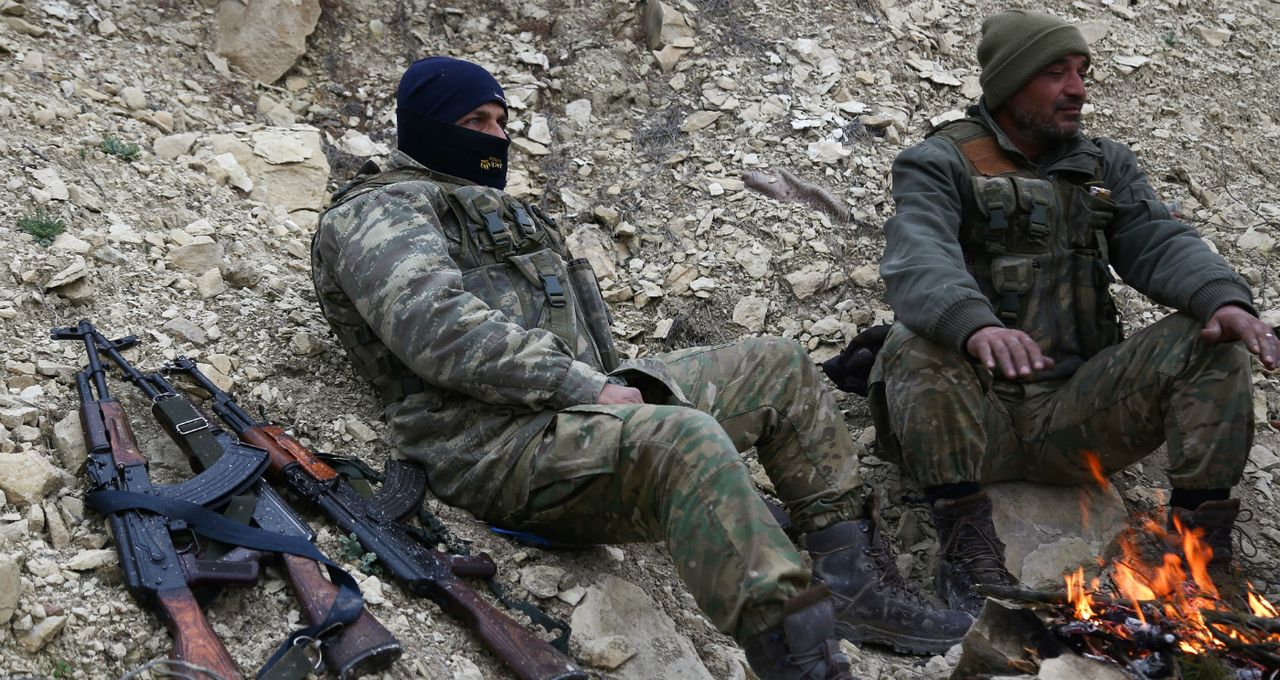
(986,156)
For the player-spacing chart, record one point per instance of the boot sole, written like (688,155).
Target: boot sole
(903,644)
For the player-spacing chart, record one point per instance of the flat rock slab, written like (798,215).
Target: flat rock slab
(1048,530)
(615,608)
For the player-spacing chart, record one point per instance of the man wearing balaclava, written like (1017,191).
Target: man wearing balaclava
(497,371)
(1007,359)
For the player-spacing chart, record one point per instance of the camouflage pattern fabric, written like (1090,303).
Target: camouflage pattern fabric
(947,419)
(630,473)
(412,282)
(425,279)
(937,282)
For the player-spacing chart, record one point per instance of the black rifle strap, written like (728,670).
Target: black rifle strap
(347,605)
(434,533)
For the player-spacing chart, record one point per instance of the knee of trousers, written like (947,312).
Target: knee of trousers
(691,442)
(1230,359)
(772,352)
(922,364)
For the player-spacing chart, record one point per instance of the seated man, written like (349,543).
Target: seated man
(494,360)
(1007,361)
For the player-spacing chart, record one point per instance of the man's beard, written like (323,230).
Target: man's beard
(1043,126)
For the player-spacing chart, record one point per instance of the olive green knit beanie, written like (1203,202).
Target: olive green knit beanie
(1016,45)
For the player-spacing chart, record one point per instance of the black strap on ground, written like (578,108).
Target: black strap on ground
(346,606)
(433,532)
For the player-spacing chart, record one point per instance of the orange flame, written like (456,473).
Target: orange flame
(1260,607)
(1179,590)
(1198,554)
(1094,464)
(1078,596)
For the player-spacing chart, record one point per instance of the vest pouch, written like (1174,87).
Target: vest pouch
(1097,319)
(1012,277)
(997,204)
(1102,210)
(545,272)
(1039,210)
(487,227)
(594,311)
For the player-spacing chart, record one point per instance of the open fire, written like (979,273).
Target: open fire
(1161,615)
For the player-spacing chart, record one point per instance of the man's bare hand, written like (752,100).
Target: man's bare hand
(1231,323)
(1011,350)
(619,394)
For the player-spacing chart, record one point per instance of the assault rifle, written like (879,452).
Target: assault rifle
(349,648)
(154,570)
(421,569)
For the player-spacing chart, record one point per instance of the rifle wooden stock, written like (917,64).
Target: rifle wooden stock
(194,641)
(363,646)
(527,655)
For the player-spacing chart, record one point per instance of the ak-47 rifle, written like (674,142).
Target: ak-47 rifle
(154,570)
(421,569)
(349,648)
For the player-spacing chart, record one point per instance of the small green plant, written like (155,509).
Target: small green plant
(61,668)
(350,551)
(116,147)
(42,226)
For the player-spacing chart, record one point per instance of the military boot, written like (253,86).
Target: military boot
(873,602)
(803,646)
(971,554)
(1217,519)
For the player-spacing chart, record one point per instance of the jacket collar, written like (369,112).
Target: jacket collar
(1080,154)
(399,159)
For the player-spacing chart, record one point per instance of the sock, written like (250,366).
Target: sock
(1190,499)
(951,491)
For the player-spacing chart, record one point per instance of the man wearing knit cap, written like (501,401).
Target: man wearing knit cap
(1007,359)
(496,366)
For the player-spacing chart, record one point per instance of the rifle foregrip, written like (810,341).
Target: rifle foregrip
(528,656)
(124,446)
(364,646)
(285,451)
(193,638)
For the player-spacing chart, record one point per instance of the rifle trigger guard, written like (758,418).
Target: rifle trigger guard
(194,425)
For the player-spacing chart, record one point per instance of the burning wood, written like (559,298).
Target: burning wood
(1161,617)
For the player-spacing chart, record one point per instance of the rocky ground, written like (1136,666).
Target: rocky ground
(164,164)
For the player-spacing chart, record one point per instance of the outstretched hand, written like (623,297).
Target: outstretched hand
(1009,349)
(1231,323)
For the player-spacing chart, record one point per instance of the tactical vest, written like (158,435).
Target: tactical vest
(1037,247)
(509,252)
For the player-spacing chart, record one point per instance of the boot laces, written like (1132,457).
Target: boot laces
(887,574)
(980,553)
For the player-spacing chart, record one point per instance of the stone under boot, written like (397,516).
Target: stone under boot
(803,646)
(872,601)
(971,554)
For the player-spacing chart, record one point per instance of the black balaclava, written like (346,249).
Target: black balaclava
(433,94)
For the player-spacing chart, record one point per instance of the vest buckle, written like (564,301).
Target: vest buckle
(555,292)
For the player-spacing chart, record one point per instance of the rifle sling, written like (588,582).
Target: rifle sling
(346,606)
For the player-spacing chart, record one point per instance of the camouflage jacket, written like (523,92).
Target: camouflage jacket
(928,270)
(455,301)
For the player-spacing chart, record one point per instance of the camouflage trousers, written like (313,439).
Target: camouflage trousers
(673,474)
(949,420)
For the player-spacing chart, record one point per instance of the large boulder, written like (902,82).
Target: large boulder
(1049,530)
(265,37)
(286,167)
